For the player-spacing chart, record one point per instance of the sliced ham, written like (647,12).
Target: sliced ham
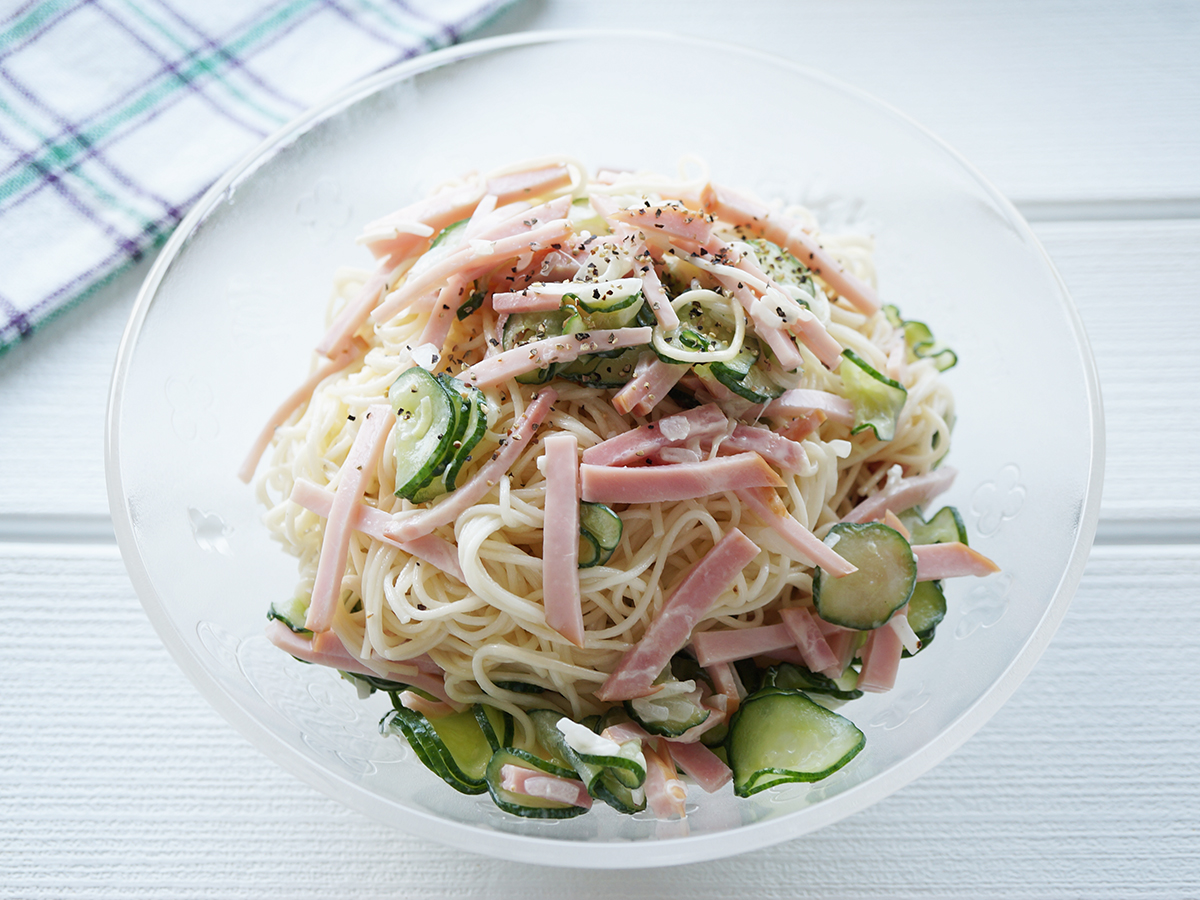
(539,354)
(635,445)
(371,521)
(454,504)
(294,401)
(444,312)
(327,649)
(430,709)
(728,684)
(672,627)
(652,290)
(393,235)
(560,538)
(357,472)
(802,402)
(880,660)
(531,783)
(652,380)
(340,333)
(950,560)
(683,481)
(782,452)
(807,636)
(904,494)
(787,233)
(823,345)
(769,329)
(521,218)
(527,300)
(532,183)
(891,520)
(728,645)
(701,765)
(811,550)
(666,219)
(665,793)
(471,260)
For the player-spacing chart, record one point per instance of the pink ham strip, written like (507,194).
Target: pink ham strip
(470,264)
(713,647)
(529,783)
(665,793)
(671,629)
(777,339)
(653,291)
(357,472)
(891,520)
(560,538)
(728,684)
(521,217)
(800,402)
(442,209)
(539,354)
(353,315)
(293,402)
(881,660)
(781,452)
(652,380)
(481,216)
(909,492)
(823,345)
(445,311)
(669,220)
(525,301)
(814,649)
(327,649)
(467,495)
(670,431)
(371,521)
(803,426)
(702,765)
(950,560)
(532,183)
(843,643)
(767,506)
(681,481)
(739,210)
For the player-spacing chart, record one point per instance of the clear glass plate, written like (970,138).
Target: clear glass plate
(223,327)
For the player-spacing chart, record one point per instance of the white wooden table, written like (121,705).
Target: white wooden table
(117,780)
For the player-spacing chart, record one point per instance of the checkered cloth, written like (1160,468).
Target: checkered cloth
(116,115)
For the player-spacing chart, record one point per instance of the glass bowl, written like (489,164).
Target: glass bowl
(224,325)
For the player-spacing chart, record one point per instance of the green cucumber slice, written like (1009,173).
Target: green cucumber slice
(671,711)
(519,804)
(607,296)
(525,328)
(453,747)
(452,234)
(877,399)
(474,302)
(427,425)
(496,724)
(944,527)
(602,372)
(474,428)
(791,677)
(779,736)
(781,266)
(926,610)
(292,613)
(884,582)
(599,534)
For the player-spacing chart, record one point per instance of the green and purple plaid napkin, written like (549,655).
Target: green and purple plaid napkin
(116,115)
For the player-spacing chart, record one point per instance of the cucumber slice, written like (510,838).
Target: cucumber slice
(474,302)
(791,677)
(745,374)
(519,804)
(599,534)
(453,747)
(779,736)
(474,428)
(602,372)
(926,609)
(427,426)
(674,709)
(877,399)
(920,341)
(452,234)
(496,724)
(781,266)
(292,613)
(524,328)
(944,527)
(621,797)
(607,296)
(884,582)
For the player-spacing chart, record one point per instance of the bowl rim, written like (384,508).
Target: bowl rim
(532,849)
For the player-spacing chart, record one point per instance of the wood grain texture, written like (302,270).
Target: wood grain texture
(118,780)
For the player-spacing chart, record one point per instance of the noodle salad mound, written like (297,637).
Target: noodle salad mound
(614,483)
